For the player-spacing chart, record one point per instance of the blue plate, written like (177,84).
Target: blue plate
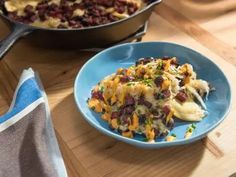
(109,60)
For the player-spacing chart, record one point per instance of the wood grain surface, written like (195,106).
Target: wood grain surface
(207,26)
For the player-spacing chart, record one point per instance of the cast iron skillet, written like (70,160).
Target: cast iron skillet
(100,36)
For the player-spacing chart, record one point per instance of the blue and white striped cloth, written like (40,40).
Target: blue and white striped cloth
(41,142)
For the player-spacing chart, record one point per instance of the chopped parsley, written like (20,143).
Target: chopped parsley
(139,111)
(159,65)
(174,135)
(132,67)
(101,88)
(149,121)
(118,122)
(130,84)
(191,128)
(148,82)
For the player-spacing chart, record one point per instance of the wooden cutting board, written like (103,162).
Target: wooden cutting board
(206,26)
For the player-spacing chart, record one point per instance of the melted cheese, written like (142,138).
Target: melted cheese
(189,111)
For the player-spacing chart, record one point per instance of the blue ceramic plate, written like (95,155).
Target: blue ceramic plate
(109,60)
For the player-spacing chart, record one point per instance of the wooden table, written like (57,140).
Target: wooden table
(206,26)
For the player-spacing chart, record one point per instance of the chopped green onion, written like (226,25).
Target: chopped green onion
(193,126)
(129,84)
(131,67)
(190,130)
(148,121)
(174,135)
(118,121)
(148,82)
(101,88)
(139,111)
(159,65)
(87,100)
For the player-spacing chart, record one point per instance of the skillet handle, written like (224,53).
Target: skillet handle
(17,31)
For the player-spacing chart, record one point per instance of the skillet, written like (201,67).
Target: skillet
(100,36)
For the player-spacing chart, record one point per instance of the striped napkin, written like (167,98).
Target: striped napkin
(28,145)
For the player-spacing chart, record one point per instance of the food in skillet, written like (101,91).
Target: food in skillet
(70,13)
(146,97)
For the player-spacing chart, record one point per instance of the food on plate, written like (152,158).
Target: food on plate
(147,97)
(171,137)
(189,131)
(70,13)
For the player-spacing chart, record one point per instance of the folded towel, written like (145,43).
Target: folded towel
(28,145)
